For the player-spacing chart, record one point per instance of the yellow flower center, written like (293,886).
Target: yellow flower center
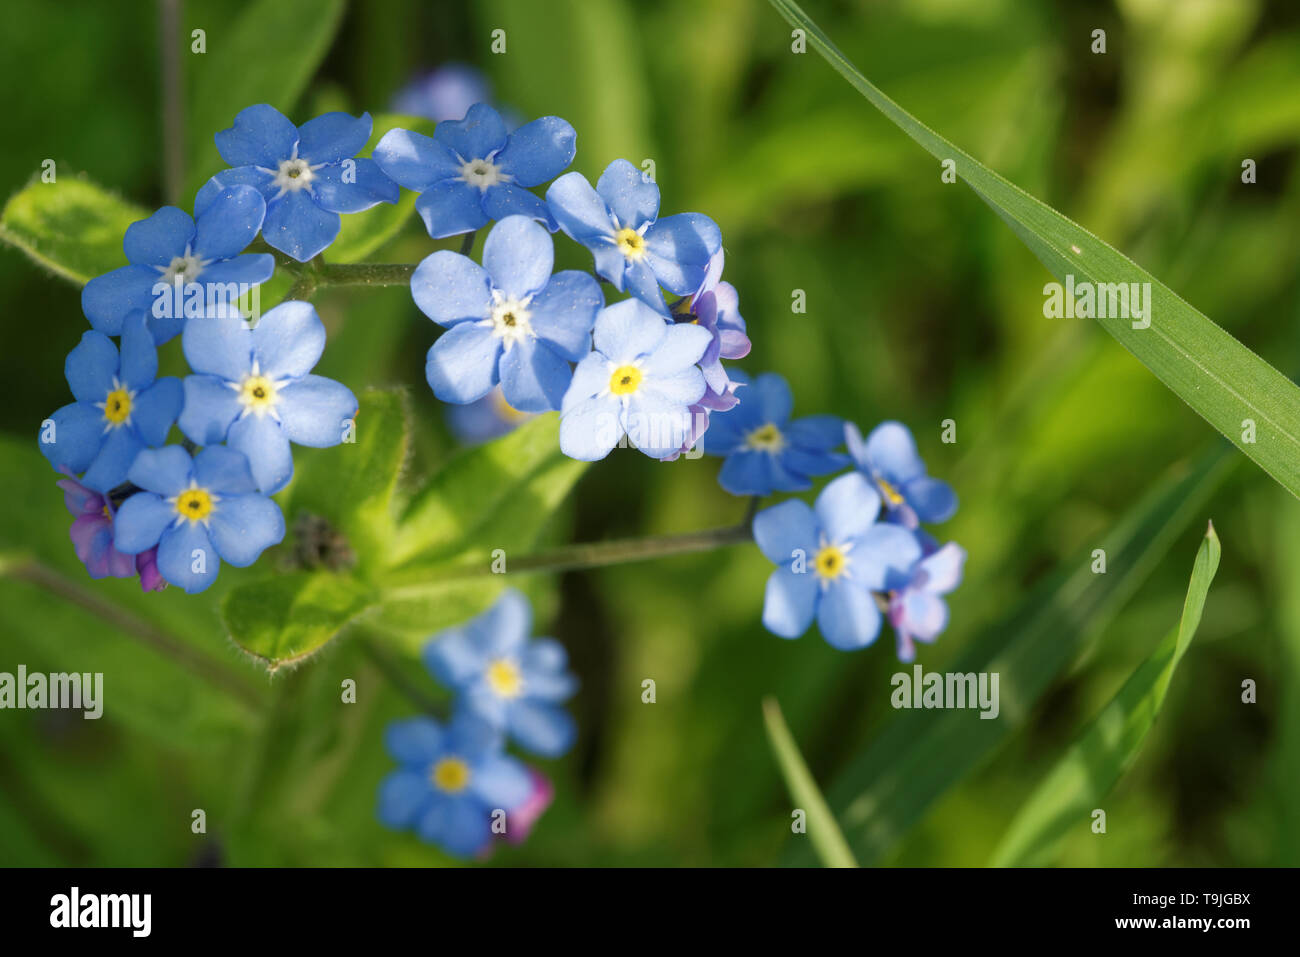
(766,438)
(830,562)
(258,393)
(195,504)
(630,243)
(890,493)
(625,380)
(117,406)
(504,679)
(451,775)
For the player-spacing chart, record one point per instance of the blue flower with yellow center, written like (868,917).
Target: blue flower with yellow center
(832,560)
(473,171)
(889,459)
(451,781)
(177,251)
(765,451)
(253,389)
(120,408)
(633,248)
(199,511)
(307,174)
(513,683)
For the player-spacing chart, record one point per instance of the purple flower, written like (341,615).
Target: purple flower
(889,459)
(308,174)
(520,820)
(916,610)
(92,537)
(445,94)
(472,171)
(831,559)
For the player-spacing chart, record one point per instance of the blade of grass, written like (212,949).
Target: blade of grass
(918,755)
(1110,744)
(1220,378)
(824,833)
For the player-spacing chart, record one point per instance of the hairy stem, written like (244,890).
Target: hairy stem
(365,274)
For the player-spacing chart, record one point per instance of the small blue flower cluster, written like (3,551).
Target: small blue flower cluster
(840,562)
(457,787)
(251,394)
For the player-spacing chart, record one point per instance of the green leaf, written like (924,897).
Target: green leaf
(1221,379)
(71,226)
(1110,744)
(822,829)
(268,55)
(366,232)
(284,619)
(919,755)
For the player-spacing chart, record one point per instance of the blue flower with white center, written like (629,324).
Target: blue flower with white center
(308,174)
(917,610)
(513,683)
(177,251)
(633,248)
(252,389)
(451,781)
(765,451)
(472,171)
(889,458)
(831,559)
(508,321)
(640,381)
(120,408)
(196,511)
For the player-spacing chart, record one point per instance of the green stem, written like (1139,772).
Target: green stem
(365,274)
(194,661)
(304,288)
(467,244)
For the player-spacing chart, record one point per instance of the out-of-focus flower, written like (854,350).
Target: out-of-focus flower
(917,610)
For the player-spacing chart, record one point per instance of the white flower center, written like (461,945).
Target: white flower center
(510,319)
(257,393)
(182,269)
(295,174)
(482,173)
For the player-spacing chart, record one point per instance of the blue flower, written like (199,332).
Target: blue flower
(308,174)
(916,610)
(171,248)
(510,682)
(634,249)
(451,781)
(252,389)
(831,558)
(445,94)
(509,320)
(120,408)
(640,382)
(196,511)
(484,419)
(472,171)
(889,458)
(766,452)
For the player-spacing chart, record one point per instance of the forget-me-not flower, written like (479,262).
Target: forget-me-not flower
(196,511)
(472,171)
(252,389)
(639,381)
(767,452)
(119,408)
(633,248)
(513,683)
(92,538)
(308,174)
(889,458)
(830,560)
(172,248)
(485,419)
(451,780)
(917,610)
(444,95)
(508,321)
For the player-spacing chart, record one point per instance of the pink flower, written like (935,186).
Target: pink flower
(92,537)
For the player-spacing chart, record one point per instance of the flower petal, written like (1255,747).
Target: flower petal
(679,249)
(107,299)
(160,238)
(590,429)
(501,782)
(786,531)
(315,411)
(91,366)
(518,256)
(165,471)
(932,499)
(848,617)
(533,378)
(288,340)
(481,133)
(847,507)
(209,408)
(450,288)
(657,424)
(156,408)
(220,346)
(243,526)
(223,470)
(415,741)
(539,151)
(333,137)
(352,186)
(628,330)
(451,207)
(891,453)
(542,728)
(462,365)
(631,195)
(140,522)
(506,199)
(260,136)
(77,435)
(681,347)
(260,439)
(941,572)
(229,223)
(255,177)
(297,227)
(883,558)
(186,557)
(404,797)
(454,657)
(564,312)
(579,210)
(414,160)
(789,602)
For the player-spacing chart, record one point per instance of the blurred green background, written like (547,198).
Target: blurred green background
(922,306)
